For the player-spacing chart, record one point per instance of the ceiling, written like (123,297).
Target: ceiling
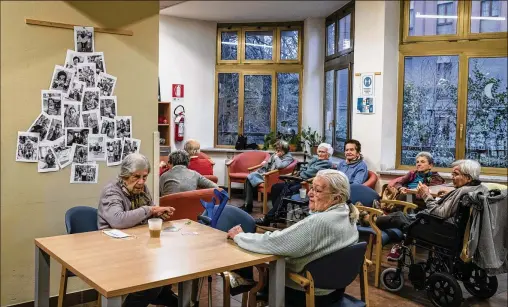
(250,11)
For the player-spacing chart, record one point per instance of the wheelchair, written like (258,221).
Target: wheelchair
(440,273)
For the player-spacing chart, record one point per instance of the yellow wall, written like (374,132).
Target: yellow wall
(33,204)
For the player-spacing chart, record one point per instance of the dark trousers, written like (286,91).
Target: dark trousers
(156,296)
(276,197)
(296,298)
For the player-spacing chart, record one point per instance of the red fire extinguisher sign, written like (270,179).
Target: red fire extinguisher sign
(178,92)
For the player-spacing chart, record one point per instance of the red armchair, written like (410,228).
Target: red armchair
(271,178)
(187,204)
(371,180)
(241,165)
(200,155)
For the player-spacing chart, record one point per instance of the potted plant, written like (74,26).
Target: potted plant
(312,138)
(269,140)
(295,142)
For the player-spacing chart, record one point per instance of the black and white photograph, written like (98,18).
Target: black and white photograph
(91,99)
(123,126)
(76,136)
(98,59)
(106,83)
(114,147)
(73,58)
(108,106)
(84,173)
(51,102)
(107,127)
(84,39)
(61,79)
(97,147)
(72,114)
(62,152)
(27,148)
(130,146)
(91,120)
(86,73)
(41,125)
(76,91)
(47,159)
(79,153)
(55,129)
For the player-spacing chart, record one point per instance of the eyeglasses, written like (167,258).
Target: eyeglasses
(317,192)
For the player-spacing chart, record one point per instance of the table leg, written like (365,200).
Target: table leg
(409,197)
(184,293)
(277,283)
(111,301)
(41,278)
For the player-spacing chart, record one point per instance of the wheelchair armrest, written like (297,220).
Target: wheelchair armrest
(406,205)
(205,219)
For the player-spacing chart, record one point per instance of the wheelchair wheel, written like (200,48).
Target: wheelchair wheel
(444,290)
(391,280)
(480,285)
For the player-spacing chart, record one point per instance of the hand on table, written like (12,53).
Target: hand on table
(234,231)
(163,212)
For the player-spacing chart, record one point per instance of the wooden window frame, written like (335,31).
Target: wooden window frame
(334,18)
(279,36)
(238,48)
(468,5)
(275,44)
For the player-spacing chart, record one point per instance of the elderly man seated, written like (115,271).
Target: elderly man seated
(322,161)
(181,179)
(126,202)
(279,160)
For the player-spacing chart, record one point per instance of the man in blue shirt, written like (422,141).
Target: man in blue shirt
(354,167)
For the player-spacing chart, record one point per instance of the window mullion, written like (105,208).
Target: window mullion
(241,96)
(273,107)
(460,144)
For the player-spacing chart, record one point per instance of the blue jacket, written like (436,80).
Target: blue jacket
(313,167)
(356,172)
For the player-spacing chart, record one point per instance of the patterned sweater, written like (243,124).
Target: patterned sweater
(312,238)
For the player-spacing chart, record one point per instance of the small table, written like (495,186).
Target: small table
(115,267)
(433,190)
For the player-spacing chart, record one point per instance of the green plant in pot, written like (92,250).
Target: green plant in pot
(312,138)
(295,142)
(269,140)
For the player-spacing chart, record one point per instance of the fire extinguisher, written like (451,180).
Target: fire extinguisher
(179,123)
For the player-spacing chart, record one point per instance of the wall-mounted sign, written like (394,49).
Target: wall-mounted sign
(368,84)
(177,92)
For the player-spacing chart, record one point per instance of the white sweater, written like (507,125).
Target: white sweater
(312,238)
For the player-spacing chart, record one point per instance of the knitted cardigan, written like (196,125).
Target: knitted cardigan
(312,238)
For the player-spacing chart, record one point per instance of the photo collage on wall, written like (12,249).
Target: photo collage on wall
(79,124)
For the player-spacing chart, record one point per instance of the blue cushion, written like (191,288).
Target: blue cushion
(385,238)
(348,301)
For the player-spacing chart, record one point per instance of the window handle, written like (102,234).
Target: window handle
(241,121)
(331,124)
(461,131)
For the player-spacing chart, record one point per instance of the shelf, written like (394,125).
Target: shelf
(164,102)
(163,125)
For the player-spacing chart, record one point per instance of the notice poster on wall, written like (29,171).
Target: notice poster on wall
(365,105)
(177,92)
(367,84)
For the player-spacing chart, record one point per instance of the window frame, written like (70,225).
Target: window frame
(299,50)
(467,25)
(275,44)
(465,51)
(334,19)
(219,45)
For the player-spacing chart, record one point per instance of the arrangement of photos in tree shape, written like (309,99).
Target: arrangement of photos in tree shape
(79,124)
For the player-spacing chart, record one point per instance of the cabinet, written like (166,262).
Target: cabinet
(163,121)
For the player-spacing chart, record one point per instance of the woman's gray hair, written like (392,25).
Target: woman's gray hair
(338,185)
(179,157)
(192,147)
(469,168)
(426,155)
(282,145)
(132,163)
(326,146)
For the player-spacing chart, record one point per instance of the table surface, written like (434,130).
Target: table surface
(120,266)
(435,189)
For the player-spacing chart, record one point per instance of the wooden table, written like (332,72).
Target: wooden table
(116,267)
(433,190)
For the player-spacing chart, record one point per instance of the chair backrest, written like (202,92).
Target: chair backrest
(81,219)
(371,180)
(364,194)
(187,204)
(338,269)
(213,208)
(243,161)
(232,216)
(288,169)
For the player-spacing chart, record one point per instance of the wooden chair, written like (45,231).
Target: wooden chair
(336,271)
(270,178)
(241,165)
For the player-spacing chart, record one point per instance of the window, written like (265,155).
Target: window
(338,76)
(258,81)
(454,93)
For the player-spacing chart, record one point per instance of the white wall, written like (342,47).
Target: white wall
(376,50)
(313,73)
(187,56)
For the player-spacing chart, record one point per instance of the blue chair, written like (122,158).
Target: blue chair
(366,197)
(336,271)
(77,220)
(213,210)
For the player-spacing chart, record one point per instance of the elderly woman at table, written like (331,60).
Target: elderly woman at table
(330,227)
(322,161)
(126,202)
(279,160)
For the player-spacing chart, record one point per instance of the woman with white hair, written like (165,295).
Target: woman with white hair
(126,202)
(322,161)
(330,227)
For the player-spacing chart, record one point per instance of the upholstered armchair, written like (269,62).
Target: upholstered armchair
(241,165)
(271,178)
(371,180)
(187,204)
